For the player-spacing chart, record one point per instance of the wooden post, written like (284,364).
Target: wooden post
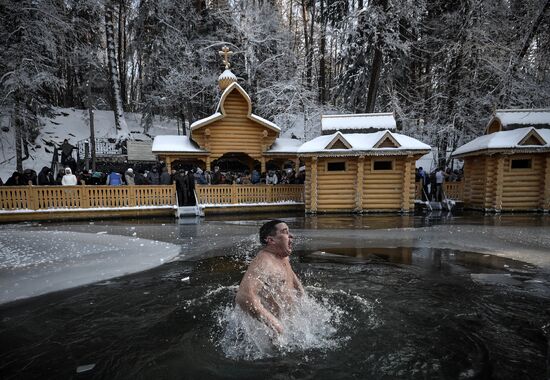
(168,161)
(497,203)
(359,186)
(33,198)
(406,196)
(297,165)
(262,161)
(545,194)
(132,196)
(234,198)
(313,191)
(85,196)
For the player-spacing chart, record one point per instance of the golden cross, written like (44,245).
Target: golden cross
(226,54)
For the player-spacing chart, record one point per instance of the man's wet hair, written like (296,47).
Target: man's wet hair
(268,229)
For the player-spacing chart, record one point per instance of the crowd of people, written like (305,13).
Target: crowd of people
(432,183)
(185,179)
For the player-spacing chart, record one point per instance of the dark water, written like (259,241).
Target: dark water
(403,313)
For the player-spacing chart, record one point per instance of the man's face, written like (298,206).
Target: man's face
(282,240)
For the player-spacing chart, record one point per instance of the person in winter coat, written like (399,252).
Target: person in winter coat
(29,177)
(182,187)
(45,177)
(191,191)
(129,176)
(271,178)
(140,179)
(69,179)
(255,177)
(154,177)
(66,151)
(114,179)
(165,178)
(14,180)
(217,176)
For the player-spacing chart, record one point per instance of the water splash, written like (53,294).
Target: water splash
(312,324)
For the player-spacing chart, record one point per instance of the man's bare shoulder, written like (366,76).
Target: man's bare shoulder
(264,261)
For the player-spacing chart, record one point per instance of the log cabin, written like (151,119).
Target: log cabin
(360,172)
(508,168)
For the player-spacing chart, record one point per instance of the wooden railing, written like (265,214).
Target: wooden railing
(453,190)
(73,197)
(248,194)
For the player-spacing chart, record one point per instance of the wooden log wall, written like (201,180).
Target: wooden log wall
(521,188)
(336,189)
(492,185)
(383,189)
(76,197)
(235,132)
(474,181)
(359,188)
(248,194)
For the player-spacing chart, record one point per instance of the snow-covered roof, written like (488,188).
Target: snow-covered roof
(363,143)
(285,145)
(507,140)
(360,122)
(519,118)
(220,112)
(206,120)
(175,144)
(227,74)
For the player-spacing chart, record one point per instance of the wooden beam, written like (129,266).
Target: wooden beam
(499,184)
(405,196)
(313,188)
(359,184)
(545,198)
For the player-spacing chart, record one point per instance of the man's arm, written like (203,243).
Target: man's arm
(248,299)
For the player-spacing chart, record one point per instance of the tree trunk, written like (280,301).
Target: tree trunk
(306,40)
(374,79)
(322,52)
(120,123)
(18,125)
(122,70)
(376,65)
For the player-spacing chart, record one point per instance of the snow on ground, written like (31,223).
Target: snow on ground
(37,262)
(71,124)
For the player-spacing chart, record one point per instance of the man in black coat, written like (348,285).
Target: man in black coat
(45,177)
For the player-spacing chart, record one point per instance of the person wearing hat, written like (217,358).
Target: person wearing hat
(129,177)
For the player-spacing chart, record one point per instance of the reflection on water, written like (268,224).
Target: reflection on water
(372,312)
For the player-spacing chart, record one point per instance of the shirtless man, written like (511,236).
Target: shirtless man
(270,286)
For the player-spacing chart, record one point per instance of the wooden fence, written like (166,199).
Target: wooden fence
(84,197)
(248,194)
(453,190)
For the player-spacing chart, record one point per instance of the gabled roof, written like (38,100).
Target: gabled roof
(387,141)
(221,113)
(512,141)
(520,118)
(175,144)
(338,142)
(357,122)
(364,143)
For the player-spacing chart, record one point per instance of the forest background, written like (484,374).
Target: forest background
(441,66)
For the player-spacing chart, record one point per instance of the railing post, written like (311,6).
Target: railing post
(269,193)
(234,199)
(85,196)
(131,196)
(33,198)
